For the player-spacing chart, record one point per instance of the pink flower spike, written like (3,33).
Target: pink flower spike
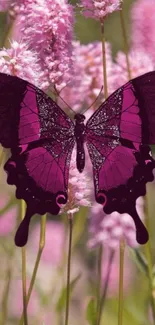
(140,63)
(99,9)
(4,5)
(19,61)
(87,76)
(110,229)
(47,25)
(79,189)
(143,26)
(12,6)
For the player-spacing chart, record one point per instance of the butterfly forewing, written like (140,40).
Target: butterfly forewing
(41,138)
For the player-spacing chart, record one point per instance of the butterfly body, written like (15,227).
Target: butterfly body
(41,137)
(79,132)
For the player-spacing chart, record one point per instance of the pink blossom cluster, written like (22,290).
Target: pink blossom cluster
(12,6)
(140,63)
(19,61)
(79,189)
(87,75)
(110,229)
(4,5)
(47,26)
(143,26)
(99,9)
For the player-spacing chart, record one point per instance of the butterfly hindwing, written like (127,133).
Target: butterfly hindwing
(41,138)
(117,137)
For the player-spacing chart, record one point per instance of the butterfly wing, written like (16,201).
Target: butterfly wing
(117,137)
(41,138)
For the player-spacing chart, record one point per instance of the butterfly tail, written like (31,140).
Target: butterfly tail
(141,232)
(21,236)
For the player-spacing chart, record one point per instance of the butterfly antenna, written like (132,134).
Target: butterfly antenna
(58,94)
(94,100)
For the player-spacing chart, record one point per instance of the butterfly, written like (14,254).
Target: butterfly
(42,136)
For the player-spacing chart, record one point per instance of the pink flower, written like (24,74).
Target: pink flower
(143,26)
(53,250)
(99,9)
(87,76)
(4,5)
(12,6)
(140,63)
(7,219)
(79,189)
(110,229)
(47,25)
(23,63)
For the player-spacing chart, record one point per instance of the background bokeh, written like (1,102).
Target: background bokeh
(47,302)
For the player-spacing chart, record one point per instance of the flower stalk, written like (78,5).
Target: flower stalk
(104,60)
(1,155)
(104,293)
(100,299)
(126,48)
(149,260)
(121,276)
(40,250)
(70,219)
(5,296)
(99,274)
(23,249)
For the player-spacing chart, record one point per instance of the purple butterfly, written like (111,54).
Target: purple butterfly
(41,137)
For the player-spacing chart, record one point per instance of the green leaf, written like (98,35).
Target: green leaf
(140,260)
(91,313)
(61,303)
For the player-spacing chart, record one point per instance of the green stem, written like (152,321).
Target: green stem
(40,250)
(70,219)
(149,260)
(1,155)
(104,61)
(126,48)
(104,293)
(121,275)
(11,253)
(5,296)
(100,299)
(24,269)
(8,34)
(99,273)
